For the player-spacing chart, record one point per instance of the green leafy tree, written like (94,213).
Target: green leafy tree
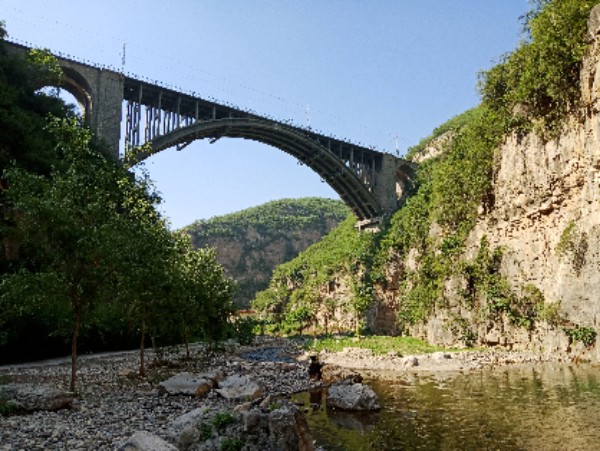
(197,300)
(144,253)
(537,85)
(208,296)
(68,227)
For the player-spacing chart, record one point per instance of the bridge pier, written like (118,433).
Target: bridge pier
(99,92)
(393,183)
(384,189)
(107,108)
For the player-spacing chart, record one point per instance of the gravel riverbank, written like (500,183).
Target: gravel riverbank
(113,402)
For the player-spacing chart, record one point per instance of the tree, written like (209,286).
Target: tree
(207,302)
(23,109)
(68,226)
(144,255)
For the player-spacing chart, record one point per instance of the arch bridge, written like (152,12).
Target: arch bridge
(372,183)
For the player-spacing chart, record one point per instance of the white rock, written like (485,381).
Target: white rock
(145,441)
(188,384)
(239,387)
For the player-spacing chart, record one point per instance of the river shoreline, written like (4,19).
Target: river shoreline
(113,403)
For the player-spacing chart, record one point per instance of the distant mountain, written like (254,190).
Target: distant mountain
(252,242)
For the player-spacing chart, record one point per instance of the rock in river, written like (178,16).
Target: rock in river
(347,396)
(190,384)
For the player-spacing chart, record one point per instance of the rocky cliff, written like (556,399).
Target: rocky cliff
(251,243)
(547,209)
(522,271)
(545,219)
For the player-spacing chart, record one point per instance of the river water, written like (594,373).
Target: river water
(547,407)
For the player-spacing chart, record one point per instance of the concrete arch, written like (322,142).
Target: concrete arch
(330,168)
(76,84)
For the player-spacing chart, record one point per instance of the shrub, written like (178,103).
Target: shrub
(232,444)
(244,330)
(223,419)
(537,85)
(586,335)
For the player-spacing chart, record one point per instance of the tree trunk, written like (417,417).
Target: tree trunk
(76,326)
(187,345)
(142,371)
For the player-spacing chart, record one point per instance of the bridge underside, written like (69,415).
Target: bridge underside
(351,180)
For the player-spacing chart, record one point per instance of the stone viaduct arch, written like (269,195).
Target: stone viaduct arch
(78,86)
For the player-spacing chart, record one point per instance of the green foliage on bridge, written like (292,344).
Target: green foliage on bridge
(532,89)
(85,258)
(23,111)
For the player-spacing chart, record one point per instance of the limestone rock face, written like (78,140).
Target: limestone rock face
(547,210)
(349,396)
(251,243)
(546,219)
(33,397)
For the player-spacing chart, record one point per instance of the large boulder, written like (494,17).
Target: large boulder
(32,397)
(289,430)
(145,441)
(239,387)
(348,396)
(190,384)
(258,429)
(185,431)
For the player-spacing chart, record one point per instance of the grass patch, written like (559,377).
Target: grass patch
(223,419)
(378,344)
(7,407)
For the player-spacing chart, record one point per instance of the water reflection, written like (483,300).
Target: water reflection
(512,408)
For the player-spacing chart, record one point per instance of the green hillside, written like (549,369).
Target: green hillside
(252,242)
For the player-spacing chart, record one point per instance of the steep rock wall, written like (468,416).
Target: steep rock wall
(250,257)
(546,218)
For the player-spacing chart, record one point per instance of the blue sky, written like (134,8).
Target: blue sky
(383,73)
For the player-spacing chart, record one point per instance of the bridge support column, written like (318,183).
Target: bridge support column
(385,191)
(107,99)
